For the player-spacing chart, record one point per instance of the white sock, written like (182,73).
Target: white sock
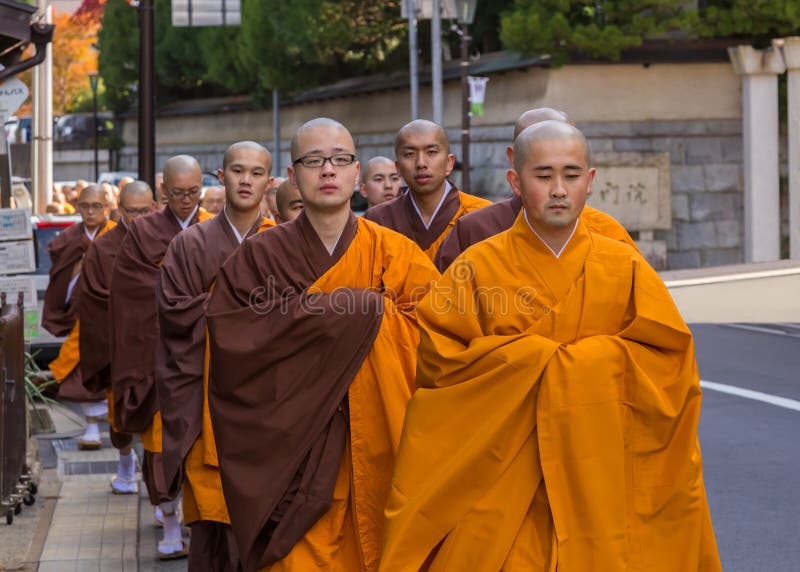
(92,432)
(159,516)
(172,526)
(95,408)
(126,469)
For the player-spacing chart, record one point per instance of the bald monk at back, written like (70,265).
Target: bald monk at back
(268,205)
(187,274)
(161,195)
(135,335)
(498,217)
(214,199)
(135,200)
(380,181)
(288,202)
(60,312)
(554,426)
(432,205)
(313,346)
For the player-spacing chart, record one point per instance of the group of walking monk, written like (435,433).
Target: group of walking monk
(443,384)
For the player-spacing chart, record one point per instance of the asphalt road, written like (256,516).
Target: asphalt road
(751,449)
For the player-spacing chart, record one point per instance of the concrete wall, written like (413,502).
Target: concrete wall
(691,111)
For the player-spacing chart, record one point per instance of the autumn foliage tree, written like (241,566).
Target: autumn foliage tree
(74,57)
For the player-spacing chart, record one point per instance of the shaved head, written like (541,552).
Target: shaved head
(135,189)
(375,162)
(543,132)
(538,115)
(288,201)
(422,127)
(314,124)
(91,191)
(250,146)
(180,165)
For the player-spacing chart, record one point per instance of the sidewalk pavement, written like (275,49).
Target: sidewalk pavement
(91,529)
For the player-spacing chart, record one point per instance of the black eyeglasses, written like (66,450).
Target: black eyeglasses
(177,194)
(317,162)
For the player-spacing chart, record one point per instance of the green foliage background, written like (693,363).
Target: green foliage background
(297,45)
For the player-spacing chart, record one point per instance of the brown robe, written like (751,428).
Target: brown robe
(134,324)
(478,226)
(66,249)
(282,362)
(95,362)
(187,273)
(401,216)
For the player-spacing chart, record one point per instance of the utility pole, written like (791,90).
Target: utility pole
(147,116)
(413,57)
(42,123)
(436,61)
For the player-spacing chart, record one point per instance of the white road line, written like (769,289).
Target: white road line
(784,402)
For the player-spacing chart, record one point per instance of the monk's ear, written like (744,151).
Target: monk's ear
(451,162)
(513,180)
(592,172)
(220,176)
(510,155)
(362,189)
(292,177)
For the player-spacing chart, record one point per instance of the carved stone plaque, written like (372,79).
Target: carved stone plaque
(634,188)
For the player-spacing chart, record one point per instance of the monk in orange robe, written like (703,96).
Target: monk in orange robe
(428,209)
(312,355)
(555,421)
(135,200)
(134,330)
(187,273)
(60,312)
(478,226)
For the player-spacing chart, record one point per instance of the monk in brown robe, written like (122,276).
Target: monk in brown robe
(428,210)
(187,274)
(60,313)
(555,421)
(498,217)
(380,181)
(288,202)
(134,330)
(135,200)
(313,348)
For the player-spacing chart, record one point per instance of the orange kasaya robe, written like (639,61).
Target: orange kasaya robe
(555,421)
(325,362)
(69,353)
(494,219)
(401,215)
(187,274)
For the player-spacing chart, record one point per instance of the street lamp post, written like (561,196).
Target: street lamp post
(465,14)
(93,83)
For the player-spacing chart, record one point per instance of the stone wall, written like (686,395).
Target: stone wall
(706,173)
